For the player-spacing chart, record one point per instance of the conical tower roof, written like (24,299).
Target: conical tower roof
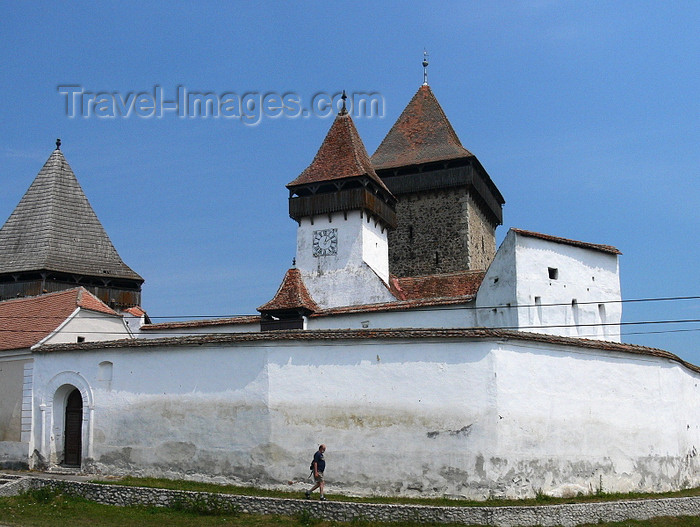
(341,156)
(54,228)
(422,134)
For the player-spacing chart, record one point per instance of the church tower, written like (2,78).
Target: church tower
(344,212)
(448,208)
(53,241)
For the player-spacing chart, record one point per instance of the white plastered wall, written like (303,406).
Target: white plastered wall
(359,272)
(455,417)
(91,326)
(582,301)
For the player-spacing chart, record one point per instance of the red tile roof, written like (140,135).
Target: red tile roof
(243,319)
(342,155)
(585,245)
(136,311)
(25,321)
(421,134)
(458,284)
(292,294)
(370,334)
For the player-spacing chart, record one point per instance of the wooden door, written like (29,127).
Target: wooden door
(74,428)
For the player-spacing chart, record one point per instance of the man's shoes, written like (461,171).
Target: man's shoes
(308,494)
(322,498)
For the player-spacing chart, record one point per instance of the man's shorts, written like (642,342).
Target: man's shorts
(318,478)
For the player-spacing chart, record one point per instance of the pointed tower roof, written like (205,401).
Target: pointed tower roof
(292,295)
(341,156)
(422,134)
(54,228)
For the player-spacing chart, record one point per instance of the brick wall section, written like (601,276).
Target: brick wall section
(550,515)
(440,231)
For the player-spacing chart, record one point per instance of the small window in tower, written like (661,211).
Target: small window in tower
(81,339)
(553,273)
(410,232)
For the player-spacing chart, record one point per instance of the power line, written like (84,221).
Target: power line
(419,308)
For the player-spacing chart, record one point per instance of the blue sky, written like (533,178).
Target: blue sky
(585,114)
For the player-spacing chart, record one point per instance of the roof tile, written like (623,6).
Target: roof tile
(25,321)
(421,134)
(585,245)
(342,155)
(292,294)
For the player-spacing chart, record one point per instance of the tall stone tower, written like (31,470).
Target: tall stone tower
(53,240)
(448,208)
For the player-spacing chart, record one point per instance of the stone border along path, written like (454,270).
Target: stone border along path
(545,515)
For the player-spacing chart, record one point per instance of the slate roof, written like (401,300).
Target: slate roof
(342,155)
(421,134)
(54,228)
(291,295)
(371,334)
(25,321)
(556,239)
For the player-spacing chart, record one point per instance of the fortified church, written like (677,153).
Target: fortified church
(426,359)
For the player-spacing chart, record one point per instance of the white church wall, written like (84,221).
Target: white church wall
(553,288)
(89,326)
(396,417)
(352,276)
(498,289)
(571,420)
(196,411)
(14,450)
(422,416)
(586,290)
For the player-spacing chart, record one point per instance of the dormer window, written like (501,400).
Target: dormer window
(553,273)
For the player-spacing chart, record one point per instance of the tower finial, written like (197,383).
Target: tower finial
(425,67)
(343,110)
(58,144)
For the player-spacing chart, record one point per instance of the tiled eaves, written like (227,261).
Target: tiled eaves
(576,243)
(400,305)
(246,319)
(408,334)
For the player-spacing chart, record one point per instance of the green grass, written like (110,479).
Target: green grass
(44,508)
(541,499)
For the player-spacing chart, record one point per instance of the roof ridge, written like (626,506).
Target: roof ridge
(567,241)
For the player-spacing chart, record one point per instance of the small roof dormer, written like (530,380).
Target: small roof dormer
(341,178)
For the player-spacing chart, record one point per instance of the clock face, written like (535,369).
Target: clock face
(325,242)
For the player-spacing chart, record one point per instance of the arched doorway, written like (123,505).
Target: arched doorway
(73,436)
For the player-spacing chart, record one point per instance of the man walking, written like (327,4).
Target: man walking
(318,465)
